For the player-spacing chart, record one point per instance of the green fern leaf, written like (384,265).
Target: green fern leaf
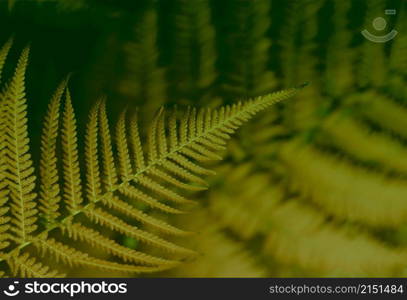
(72,187)
(49,194)
(320,246)
(25,266)
(3,54)
(73,257)
(19,174)
(109,171)
(344,190)
(176,148)
(82,233)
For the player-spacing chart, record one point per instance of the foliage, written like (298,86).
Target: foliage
(312,187)
(176,147)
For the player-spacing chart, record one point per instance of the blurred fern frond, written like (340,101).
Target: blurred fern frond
(247,50)
(192,69)
(347,191)
(358,140)
(381,110)
(339,73)
(143,81)
(220,255)
(245,201)
(304,184)
(324,248)
(115,180)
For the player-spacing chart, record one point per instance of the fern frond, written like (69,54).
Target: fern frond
(344,190)
(20,173)
(134,193)
(301,114)
(23,265)
(339,75)
(221,255)
(173,135)
(91,156)
(95,239)
(382,110)
(249,76)
(192,63)
(50,190)
(317,245)
(132,212)
(152,138)
(109,169)
(164,192)
(104,218)
(185,162)
(125,165)
(73,257)
(309,31)
(144,79)
(183,173)
(356,139)
(4,208)
(72,181)
(176,147)
(226,120)
(174,181)
(137,150)
(288,53)
(245,201)
(3,54)
(4,219)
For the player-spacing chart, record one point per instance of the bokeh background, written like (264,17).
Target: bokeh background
(316,186)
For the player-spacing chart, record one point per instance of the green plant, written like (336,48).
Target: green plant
(143,78)
(222,256)
(192,69)
(320,193)
(108,200)
(246,50)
